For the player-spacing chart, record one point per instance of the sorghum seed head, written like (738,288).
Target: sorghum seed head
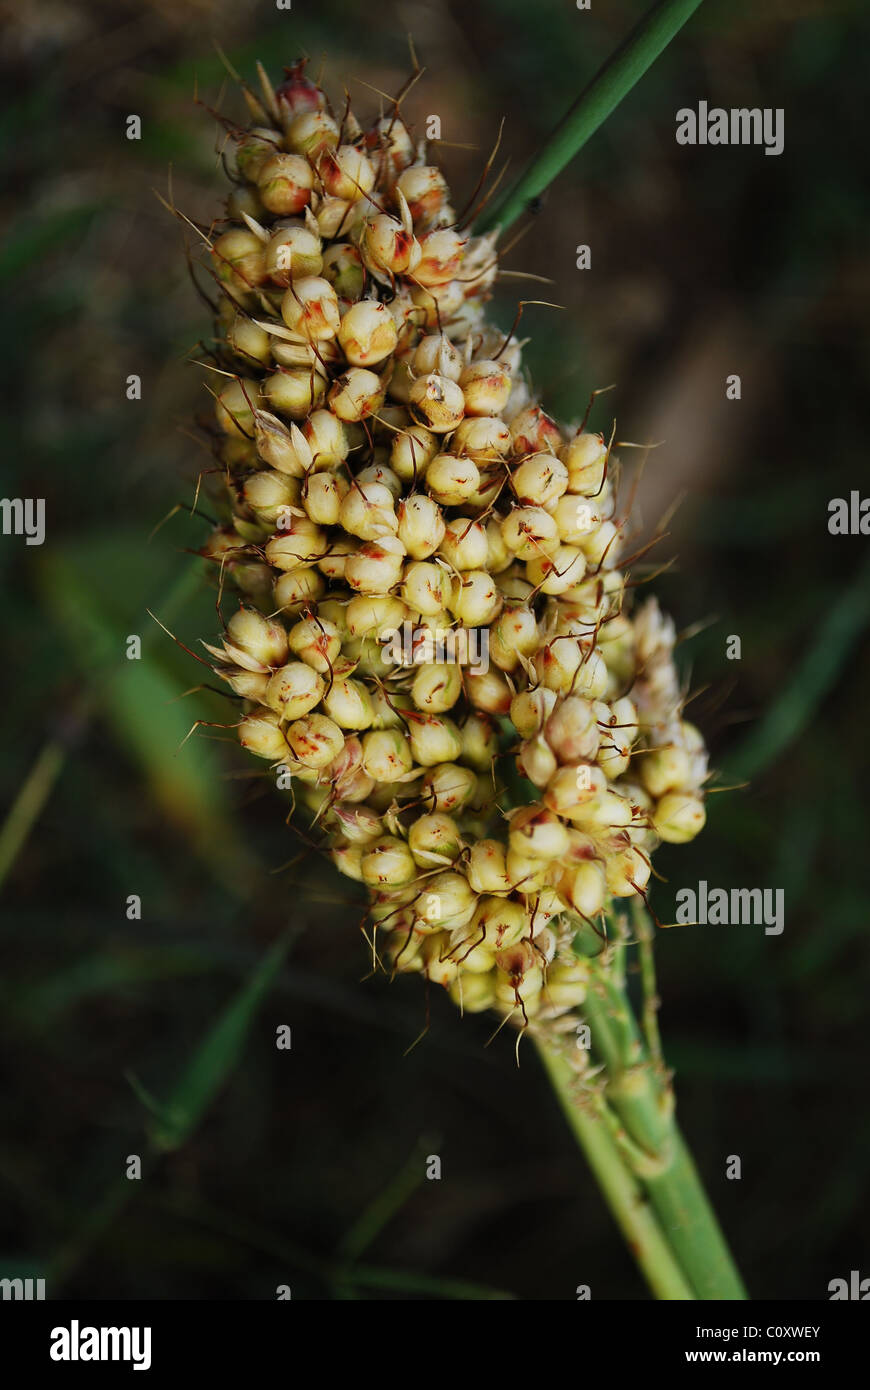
(430,573)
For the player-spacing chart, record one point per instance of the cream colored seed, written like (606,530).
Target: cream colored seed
(386,755)
(479,741)
(390,246)
(292,253)
(498,557)
(347,858)
(248,340)
(452,481)
(436,687)
(367,334)
(315,740)
(294,690)
(560,570)
(537,761)
(585,458)
(239,260)
(439,968)
(251,635)
(487,872)
(446,899)
(438,402)
(529,532)
(334,561)
(487,387)
(436,353)
(514,635)
(586,888)
(368,511)
(571,789)
(327,439)
(434,739)
(533,431)
(284,183)
(678,818)
(251,685)
(348,702)
(473,598)
(526,873)
(448,787)
(380,473)
(310,132)
(295,392)
(565,986)
(530,708)
(484,438)
(572,730)
(260,734)
(488,691)
(441,257)
(576,517)
(356,395)
(465,544)
(665,770)
(335,217)
(411,451)
(426,587)
(299,542)
(538,833)
(317,642)
(298,588)
(601,546)
(425,190)
(520,994)
(235,406)
(387,861)
(628,873)
(472,958)
(343,268)
(373,613)
(322,495)
(434,839)
(438,304)
(376,567)
(310,308)
(500,923)
(421,526)
(540,480)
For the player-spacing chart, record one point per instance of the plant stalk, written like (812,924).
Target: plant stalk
(607,89)
(628,1204)
(639,1094)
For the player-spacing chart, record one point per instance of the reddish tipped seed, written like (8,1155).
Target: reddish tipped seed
(284,183)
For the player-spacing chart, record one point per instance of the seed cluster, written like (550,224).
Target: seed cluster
(388,471)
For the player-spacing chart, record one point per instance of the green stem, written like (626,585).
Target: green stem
(690,1225)
(642,1101)
(623,1194)
(633,1145)
(610,85)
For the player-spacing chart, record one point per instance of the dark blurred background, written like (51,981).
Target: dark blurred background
(306,1167)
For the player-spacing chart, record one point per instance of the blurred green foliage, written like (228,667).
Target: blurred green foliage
(299,1167)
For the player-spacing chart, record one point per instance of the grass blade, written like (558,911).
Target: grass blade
(607,89)
(795,706)
(216,1056)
